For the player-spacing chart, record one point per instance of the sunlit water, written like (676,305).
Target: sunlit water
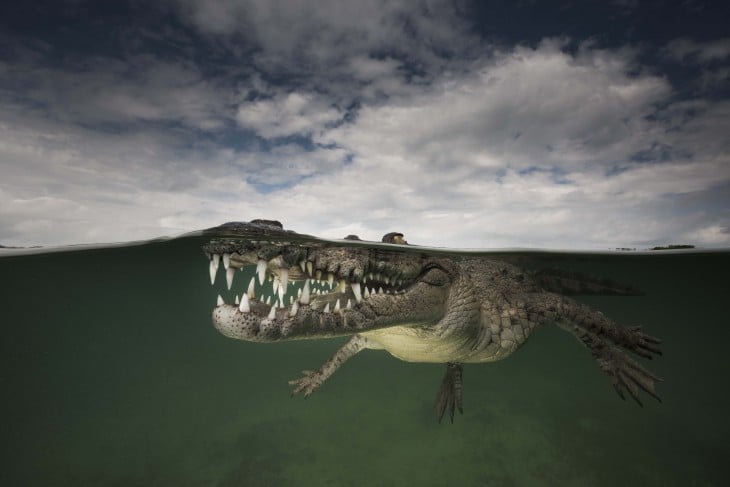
(112,374)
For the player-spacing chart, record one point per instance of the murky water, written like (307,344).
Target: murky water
(111,374)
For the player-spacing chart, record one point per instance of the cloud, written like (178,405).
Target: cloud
(689,51)
(527,108)
(303,114)
(108,91)
(537,147)
(363,118)
(293,36)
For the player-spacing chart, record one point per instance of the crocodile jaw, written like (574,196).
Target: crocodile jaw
(365,297)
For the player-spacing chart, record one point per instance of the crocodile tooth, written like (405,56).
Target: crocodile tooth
(330,278)
(268,300)
(387,280)
(364,279)
(342,286)
(291,300)
(226,261)
(275,285)
(367,292)
(212,268)
(284,277)
(337,306)
(349,304)
(280,303)
(220,301)
(281,292)
(229,276)
(327,308)
(261,270)
(380,290)
(236,300)
(370,276)
(251,286)
(318,274)
(272,313)
(303,265)
(294,309)
(309,268)
(304,299)
(356,291)
(244,307)
(299,293)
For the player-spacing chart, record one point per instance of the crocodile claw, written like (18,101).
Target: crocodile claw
(308,384)
(449,395)
(642,344)
(625,373)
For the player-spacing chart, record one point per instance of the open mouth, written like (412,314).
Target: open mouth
(266,287)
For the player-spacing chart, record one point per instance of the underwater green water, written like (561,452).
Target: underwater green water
(112,375)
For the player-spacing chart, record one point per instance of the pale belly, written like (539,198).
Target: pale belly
(419,345)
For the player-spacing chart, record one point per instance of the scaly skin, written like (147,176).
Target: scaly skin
(443,308)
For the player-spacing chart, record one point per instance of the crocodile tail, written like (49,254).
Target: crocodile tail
(594,322)
(571,283)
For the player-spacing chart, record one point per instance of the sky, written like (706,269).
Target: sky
(551,124)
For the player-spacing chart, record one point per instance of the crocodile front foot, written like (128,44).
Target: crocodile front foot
(308,384)
(314,378)
(449,395)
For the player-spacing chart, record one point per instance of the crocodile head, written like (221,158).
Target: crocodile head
(303,287)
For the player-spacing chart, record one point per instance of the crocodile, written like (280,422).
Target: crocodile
(418,304)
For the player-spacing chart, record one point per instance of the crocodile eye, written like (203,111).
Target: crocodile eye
(435,277)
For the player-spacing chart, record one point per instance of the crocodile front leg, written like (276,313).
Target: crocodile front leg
(449,395)
(314,378)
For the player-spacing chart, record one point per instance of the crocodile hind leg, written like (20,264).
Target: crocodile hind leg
(625,372)
(449,395)
(314,378)
(604,339)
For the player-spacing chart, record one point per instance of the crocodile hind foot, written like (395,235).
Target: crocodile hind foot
(625,372)
(449,395)
(640,343)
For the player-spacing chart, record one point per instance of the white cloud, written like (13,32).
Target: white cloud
(303,114)
(527,108)
(518,154)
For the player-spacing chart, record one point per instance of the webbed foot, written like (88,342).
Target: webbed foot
(640,343)
(626,374)
(449,395)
